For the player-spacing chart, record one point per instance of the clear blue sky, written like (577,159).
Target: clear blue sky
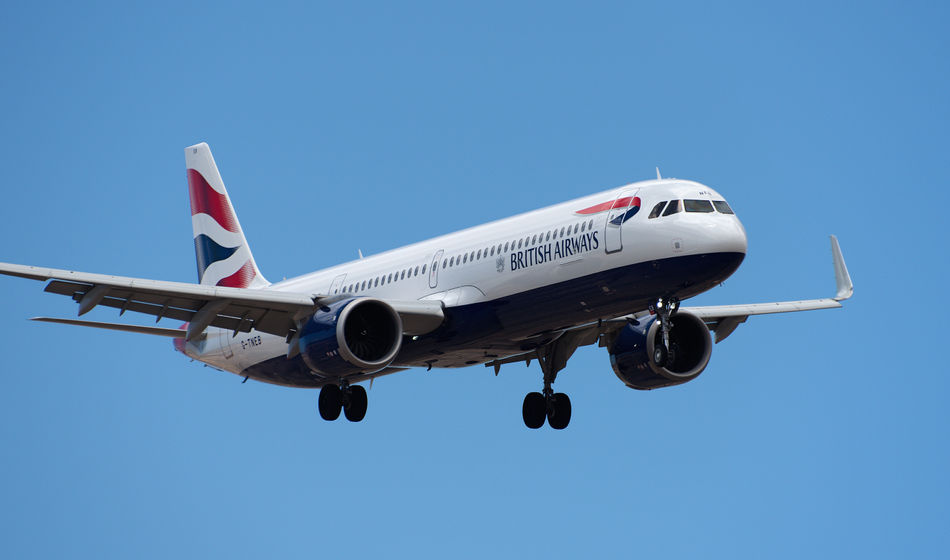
(346,126)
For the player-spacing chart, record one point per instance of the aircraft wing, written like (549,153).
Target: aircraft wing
(236,309)
(723,319)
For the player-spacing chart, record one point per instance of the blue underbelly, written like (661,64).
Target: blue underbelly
(481,332)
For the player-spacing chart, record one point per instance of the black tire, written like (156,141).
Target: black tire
(330,402)
(355,408)
(660,354)
(533,410)
(559,414)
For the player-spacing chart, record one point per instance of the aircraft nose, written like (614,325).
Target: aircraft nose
(724,236)
(739,240)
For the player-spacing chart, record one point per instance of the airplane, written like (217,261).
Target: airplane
(609,269)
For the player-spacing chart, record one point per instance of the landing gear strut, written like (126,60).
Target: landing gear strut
(555,407)
(665,352)
(350,399)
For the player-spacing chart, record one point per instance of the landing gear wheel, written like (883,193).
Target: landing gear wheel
(330,402)
(660,355)
(559,411)
(533,410)
(355,406)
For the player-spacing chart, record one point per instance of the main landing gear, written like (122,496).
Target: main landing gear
(555,407)
(665,352)
(350,399)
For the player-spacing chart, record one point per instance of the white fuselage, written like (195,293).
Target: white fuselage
(552,268)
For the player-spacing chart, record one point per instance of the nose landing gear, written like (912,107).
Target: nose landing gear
(665,352)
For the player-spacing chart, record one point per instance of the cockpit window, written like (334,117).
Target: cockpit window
(698,205)
(723,207)
(657,209)
(673,208)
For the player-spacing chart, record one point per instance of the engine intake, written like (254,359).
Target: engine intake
(631,352)
(361,335)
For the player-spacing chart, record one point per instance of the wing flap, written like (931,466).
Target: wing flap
(157,331)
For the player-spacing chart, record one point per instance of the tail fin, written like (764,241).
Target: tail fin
(224,257)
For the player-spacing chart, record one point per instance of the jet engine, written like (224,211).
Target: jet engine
(360,335)
(632,352)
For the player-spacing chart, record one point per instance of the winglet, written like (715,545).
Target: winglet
(842,278)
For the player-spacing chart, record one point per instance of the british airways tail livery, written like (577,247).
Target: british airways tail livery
(608,269)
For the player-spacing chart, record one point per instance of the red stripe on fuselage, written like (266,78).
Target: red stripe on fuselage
(240,279)
(206,200)
(604,206)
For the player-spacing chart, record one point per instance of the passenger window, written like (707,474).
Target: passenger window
(472,256)
(534,240)
(590,224)
(492,251)
(673,208)
(576,227)
(445,263)
(391,278)
(723,207)
(376,284)
(703,206)
(423,269)
(656,210)
(562,231)
(584,226)
(478,255)
(520,243)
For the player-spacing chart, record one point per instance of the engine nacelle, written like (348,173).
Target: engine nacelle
(631,352)
(361,335)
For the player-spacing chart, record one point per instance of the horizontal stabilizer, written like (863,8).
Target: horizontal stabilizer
(157,331)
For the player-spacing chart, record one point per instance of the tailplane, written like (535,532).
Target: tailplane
(224,257)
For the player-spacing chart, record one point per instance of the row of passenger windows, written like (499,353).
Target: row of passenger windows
(385,279)
(703,206)
(472,256)
(514,245)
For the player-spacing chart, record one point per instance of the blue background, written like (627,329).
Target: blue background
(363,126)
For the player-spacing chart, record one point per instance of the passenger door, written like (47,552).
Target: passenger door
(613,227)
(434,269)
(337,284)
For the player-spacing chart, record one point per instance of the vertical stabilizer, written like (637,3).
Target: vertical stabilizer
(224,257)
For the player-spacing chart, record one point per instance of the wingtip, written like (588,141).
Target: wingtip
(845,288)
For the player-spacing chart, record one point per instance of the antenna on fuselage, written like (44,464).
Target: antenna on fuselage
(360,251)
(658,173)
